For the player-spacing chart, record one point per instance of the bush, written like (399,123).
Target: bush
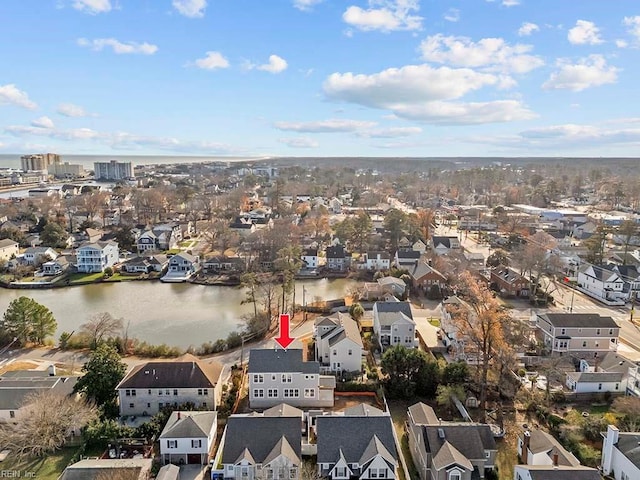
(356,387)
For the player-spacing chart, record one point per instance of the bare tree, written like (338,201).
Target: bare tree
(100,326)
(47,421)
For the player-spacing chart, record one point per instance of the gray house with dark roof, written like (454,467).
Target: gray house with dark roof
(277,375)
(262,447)
(577,334)
(449,450)
(356,446)
(188,437)
(394,325)
(338,343)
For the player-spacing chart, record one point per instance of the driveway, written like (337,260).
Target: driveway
(192,472)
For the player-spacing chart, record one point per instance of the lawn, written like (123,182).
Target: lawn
(435,322)
(85,277)
(47,468)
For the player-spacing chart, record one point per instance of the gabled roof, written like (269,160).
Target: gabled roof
(258,436)
(376,447)
(422,268)
(470,440)
(408,254)
(392,312)
(392,281)
(186,371)
(346,329)
(596,377)
(189,425)
(352,435)
(186,256)
(549,472)
(284,448)
(601,273)
(444,241)
(267,360)
(336,252)
(169,472)
(543,442)
(283,410)
(629,445)
(363,410)
(423,414)
(449,455)
(578,320)
(7,242)
(614,362)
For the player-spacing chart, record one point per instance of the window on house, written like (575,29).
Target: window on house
(258,378)
(287,378)
(160,392)
(293,473)
(563,331)
(309,393)
(148,405)
(175,392)
(12,414)
(160,405)
(584,343)
(617,386)
(131,405)
(269,473)
(382,473)
(335,352)
(172,444)
(455,475)
(291,393)
(149,392)
(196,443)
(599,386)
(167,391)
(204,404)
(373,473)
(350,352)
(272,393)
(598,331)
(258,393)
(611,331)
(205,391)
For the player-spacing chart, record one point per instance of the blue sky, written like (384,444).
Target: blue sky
(320,77)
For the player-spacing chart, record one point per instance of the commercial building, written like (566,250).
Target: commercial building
(112,170)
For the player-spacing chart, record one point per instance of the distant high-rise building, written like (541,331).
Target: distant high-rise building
(113,170)
(66,170)
(39,161)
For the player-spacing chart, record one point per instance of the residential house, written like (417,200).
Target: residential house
(310,258)
(277,376)
(335,205)
(420,246)
(376,261)
(338,343)
(181,267)
(223,264)
(602,284)
(97,469)
(261,447)
(596,382)
(633,381)
(546,472)
(242,226)
(56,267)
(424,276)
(406,258)
(188,437)
(621,454)
(393,286)
(359,444)
(449,450)
(338,259)
(16,386)
(537,447)
(577,334)
(96,257)
(8,249)
(149,387)
(631,278)
(442,245)
(94,235)
(394,325)
(38,255)
(509,282)
(153,263)
(160,237)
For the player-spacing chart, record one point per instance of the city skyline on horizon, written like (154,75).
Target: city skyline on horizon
(297,78)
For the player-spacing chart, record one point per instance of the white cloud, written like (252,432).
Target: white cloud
(423,93)
(118,47)
(299,142)
(211,61)
(11,95)
(276,65)
(510,3)
(588,72)
(72,110)
(634,25)
(392,132)
(385,15)
(491,53)
(92,7)
(452,15)
(527,28)
(190,8)
(325,126)
(622,43)
(43,122)
(584,33)
(306,5)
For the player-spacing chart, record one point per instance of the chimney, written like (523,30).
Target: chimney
(555,459)
(178,414)
(607,448)
(526,440)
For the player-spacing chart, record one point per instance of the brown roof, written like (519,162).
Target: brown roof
(186,371)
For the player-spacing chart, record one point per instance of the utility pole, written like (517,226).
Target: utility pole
(573,292)
(633,309)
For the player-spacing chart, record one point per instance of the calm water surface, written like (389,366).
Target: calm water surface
(175,314)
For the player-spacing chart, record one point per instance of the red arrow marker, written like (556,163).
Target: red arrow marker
(284,340)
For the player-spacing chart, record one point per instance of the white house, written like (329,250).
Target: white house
(596,382)
(338,343)
(310,258)
(33,255)
(188,437)
(537,447)
(394,325)
(149,387)
(441,245)
(277,376)
(602,284)
(96,257)
(376,261)
(181,267)
(620,454)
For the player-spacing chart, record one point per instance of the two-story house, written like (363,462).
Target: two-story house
(338,259)
(376,261)
(406,258)
(160,237)
(149,387)
(442,245)
(609,372)
(537,447)
(394,325)
(449,450)
(39,255)
(631,277)
(602,284)
(577,334)
(621,454)
(509,282)
(424,276)
(262,447)
(338,343)
(96,257)
(8,249)
(277,376)
(358,444)
(310,258)
(181,267)
(188,437)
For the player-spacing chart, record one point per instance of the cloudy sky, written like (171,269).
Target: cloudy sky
(321,77)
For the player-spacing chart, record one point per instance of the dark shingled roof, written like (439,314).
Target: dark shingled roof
(548,472)
(470,440)
(578,320)
(352,435)
(264,360)
(186,371)
(629,446)
(259,435)
(394,307)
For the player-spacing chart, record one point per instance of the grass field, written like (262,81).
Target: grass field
(47,468)
(85,277)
